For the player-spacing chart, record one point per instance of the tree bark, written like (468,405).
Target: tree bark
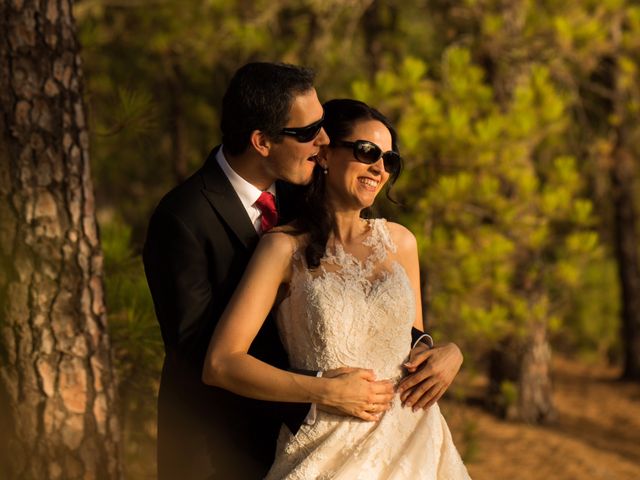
(535,400)
(56,382)
(626,251)
(625,234)
(520,378)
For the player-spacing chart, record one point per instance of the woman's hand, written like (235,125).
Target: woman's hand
(357,393)
(431,371)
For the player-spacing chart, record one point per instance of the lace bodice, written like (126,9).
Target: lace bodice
(357,311)
(350,311)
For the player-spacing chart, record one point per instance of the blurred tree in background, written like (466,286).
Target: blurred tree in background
(492,195)
(518,123)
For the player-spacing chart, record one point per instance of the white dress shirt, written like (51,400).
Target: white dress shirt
(247,192)
(249,195)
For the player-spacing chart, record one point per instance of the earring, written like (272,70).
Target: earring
(325,170)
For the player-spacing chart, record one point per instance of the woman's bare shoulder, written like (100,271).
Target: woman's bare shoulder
(404,238)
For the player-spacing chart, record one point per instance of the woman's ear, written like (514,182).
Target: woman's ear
(260,142)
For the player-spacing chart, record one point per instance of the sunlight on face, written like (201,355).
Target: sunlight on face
(352,184)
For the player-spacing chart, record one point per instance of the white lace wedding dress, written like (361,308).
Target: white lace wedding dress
(359,313)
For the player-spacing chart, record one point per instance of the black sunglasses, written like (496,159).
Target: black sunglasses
(304,134)
(368,152)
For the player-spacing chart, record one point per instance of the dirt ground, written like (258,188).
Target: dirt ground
(596,435)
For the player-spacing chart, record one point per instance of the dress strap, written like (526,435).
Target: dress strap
(380,240)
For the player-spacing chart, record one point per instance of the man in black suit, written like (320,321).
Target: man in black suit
(199,241)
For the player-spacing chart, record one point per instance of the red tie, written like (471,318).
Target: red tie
(267,205)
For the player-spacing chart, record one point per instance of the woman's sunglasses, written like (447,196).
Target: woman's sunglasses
(368,152)
(304,134)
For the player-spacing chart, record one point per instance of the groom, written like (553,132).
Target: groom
(200,239)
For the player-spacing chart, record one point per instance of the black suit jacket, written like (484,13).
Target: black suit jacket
(198,244)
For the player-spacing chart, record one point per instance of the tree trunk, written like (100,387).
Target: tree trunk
(519,371)
(379,23)
(56,381)
(520,381)
(626,251)
(535,395)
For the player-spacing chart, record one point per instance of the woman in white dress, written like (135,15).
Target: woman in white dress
(347,291)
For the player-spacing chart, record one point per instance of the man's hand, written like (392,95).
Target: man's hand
(430,372)
(363,396)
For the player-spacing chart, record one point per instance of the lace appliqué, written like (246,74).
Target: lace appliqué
(359,313)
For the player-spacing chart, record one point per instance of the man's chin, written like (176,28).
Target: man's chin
(299,180)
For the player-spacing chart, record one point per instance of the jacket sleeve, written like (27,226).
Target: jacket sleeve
(177,273)
(420,336)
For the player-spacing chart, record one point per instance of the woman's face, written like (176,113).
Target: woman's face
(350,183)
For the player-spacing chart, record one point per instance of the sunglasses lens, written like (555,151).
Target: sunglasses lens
(367,152)
(309,133)
(391,162)
(304,134)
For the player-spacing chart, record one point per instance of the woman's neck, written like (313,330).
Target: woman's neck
(349,227)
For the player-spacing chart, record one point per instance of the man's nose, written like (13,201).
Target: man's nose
(322,138)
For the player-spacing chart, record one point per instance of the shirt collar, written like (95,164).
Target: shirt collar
(247,192)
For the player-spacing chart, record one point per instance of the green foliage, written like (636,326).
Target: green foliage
(592,322)
(504,118)
(509,393)
(135,340)
(502,236)
(156,75)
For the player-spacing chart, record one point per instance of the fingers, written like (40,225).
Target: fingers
(367,374)
(415,378)
(386,398)
(434,399)
(418,355)
(374,411)
(378,407)
(419,360)
(426,390)
(369,417)
(382,387)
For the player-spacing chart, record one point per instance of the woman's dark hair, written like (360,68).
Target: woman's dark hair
(340,118)
(259,97)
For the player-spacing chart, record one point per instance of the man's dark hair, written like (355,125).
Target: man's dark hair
(259,97)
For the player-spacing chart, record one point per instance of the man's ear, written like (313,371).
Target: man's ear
(260,142)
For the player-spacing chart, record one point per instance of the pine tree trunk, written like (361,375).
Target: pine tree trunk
(520,371)
(535,395)
(626,251)
(520,378)
(56,382)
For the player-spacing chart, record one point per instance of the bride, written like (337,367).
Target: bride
(347,291)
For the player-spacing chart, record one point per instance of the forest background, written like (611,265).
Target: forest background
(518,123)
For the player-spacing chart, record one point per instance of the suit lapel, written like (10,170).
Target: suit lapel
(224,200)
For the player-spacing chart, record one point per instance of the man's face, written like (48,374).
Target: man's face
(291,160)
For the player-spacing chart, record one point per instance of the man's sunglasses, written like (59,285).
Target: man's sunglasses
(368,152)
(304,134)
